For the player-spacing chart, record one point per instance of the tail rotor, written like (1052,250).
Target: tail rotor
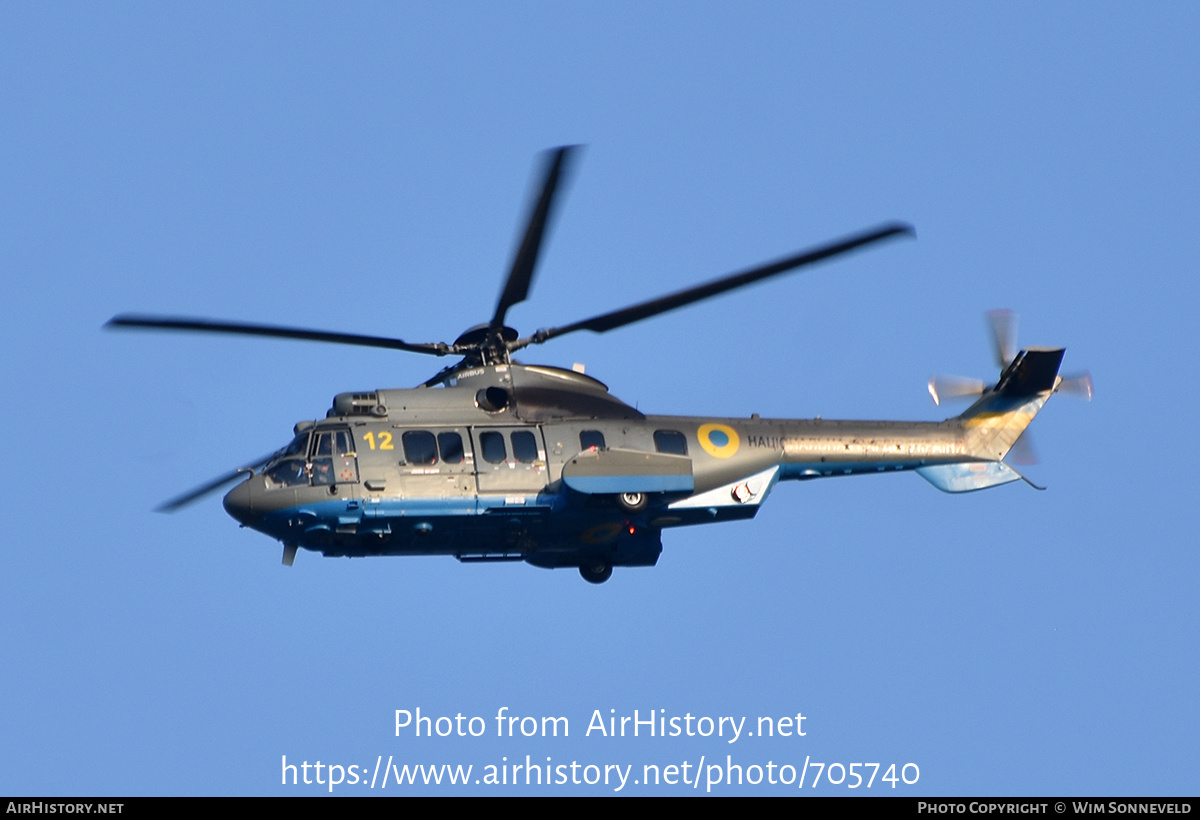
(1002,328)
(1078,385)
(954,387)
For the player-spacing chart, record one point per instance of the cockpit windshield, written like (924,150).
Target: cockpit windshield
(287,473)
(287,467)
(297,447)
(324,456)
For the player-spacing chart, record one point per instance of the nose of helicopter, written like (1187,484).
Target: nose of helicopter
(237,503)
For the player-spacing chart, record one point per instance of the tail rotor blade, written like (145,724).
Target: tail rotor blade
(1078,385)
(1023,452)
(1003,327)
(954,387)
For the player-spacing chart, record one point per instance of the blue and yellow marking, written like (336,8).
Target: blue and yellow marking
(718,440)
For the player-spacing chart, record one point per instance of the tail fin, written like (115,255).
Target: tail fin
(993,424)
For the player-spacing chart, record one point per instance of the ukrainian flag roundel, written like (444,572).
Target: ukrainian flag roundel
(718,440)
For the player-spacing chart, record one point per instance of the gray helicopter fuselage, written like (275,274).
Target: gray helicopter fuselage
(513,462)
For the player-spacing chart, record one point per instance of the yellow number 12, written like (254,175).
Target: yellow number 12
(385,440)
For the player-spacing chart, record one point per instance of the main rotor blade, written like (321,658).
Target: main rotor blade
(217,483)
(626,316)
(273,331)
(520,276)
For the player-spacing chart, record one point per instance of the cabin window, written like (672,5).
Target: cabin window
(524,447)
(591,438)
(419,447)
(492,445)
(670,441)
(451,445)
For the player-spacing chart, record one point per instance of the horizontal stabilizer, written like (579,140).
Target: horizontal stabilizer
(968,476)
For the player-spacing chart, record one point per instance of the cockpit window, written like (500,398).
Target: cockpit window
(297,447)
(288,473)
(333,458)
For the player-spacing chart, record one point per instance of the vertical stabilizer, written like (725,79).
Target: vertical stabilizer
(992,425)
(995,422)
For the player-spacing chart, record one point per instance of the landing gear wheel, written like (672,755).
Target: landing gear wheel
(632,502)
(595,570)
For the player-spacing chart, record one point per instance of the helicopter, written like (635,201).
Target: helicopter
(494,460)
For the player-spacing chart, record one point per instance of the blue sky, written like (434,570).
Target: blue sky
(364,168)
